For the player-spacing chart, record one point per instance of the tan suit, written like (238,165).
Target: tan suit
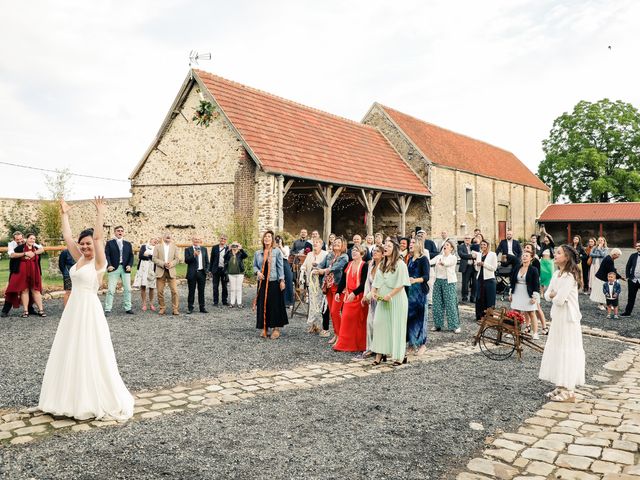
(164,275)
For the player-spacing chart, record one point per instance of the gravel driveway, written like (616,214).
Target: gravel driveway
(410,423)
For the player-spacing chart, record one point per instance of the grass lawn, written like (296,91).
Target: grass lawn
(51,283)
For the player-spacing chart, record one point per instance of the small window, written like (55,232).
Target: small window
(469,198)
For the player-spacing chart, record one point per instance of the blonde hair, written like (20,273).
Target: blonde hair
(360,248)
(418,249)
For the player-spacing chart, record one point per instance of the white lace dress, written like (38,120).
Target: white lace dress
(81,379)
(563,361)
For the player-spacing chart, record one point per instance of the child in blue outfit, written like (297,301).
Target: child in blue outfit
(611,290)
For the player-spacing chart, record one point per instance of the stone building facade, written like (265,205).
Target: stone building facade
(254,159)
(473,184)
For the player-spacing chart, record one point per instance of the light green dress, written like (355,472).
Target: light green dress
(390,321)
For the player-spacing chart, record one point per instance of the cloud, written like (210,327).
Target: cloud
(86,85)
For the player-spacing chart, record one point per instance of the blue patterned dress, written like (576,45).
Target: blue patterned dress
(417,293)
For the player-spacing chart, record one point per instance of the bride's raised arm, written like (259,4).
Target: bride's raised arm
(98,240)
(66,231)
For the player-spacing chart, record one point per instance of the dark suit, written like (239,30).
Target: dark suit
(631,284)
(432,248)
(112,252)
(468,271)
(196,277)
(503,248)
(607,266)
(218,274)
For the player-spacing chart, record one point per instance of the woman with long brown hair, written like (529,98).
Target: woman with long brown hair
(563,361)
(390,321)
(271,314)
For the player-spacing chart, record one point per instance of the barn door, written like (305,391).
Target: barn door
(502,230)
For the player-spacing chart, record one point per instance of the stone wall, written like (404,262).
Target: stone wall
(82,215)
(266,194)
(193,181)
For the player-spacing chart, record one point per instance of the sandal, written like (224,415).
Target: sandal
(564,397)
(25,314)
(403,362)
(41,313)
(545,331)
(553,392)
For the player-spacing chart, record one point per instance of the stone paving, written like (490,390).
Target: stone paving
(28,424)
(595,438)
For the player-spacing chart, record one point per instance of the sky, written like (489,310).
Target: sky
(86,85)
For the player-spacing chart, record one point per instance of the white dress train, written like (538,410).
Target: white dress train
(81,379)
(563,360)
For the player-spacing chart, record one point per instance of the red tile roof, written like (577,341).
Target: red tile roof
(291,139)
(584,212)
(450,149)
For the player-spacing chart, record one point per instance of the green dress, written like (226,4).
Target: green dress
(390,321)
(546,271)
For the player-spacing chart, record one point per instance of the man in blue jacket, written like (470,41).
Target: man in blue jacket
(119,253)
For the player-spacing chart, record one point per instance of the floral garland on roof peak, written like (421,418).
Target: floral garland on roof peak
(205,112)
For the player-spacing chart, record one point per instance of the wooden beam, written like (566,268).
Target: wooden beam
(635,234)
(600,230)
(569,237)
(287,186)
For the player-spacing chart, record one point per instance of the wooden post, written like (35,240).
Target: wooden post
(600,230)
(281,194)
(569,237)
(327,197)
(401,205)
(369,200)
(635,233)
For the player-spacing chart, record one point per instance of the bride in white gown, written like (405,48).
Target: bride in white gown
(82,379)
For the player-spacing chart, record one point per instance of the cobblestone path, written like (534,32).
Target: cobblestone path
(595,438)
(29,424)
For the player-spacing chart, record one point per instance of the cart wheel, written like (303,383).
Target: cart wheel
(497,344)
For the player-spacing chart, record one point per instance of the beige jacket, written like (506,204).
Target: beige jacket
(159,260)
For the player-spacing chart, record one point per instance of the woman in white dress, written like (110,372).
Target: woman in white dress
(597,254)
(525,291)
(81,379)
(316,297)
(563,361)
(145,275)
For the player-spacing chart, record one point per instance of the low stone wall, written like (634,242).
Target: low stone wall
(81,216)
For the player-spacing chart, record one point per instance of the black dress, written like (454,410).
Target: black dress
(270,306)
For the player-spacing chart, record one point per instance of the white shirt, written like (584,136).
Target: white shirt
(611,285)
(510,247)
(166,251)
(119,242)
(223,251)
(636,272)
(200,267)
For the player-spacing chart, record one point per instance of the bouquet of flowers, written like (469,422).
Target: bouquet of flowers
(515,316)
(204,113)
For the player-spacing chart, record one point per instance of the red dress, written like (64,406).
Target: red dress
(28,277)
(353,328)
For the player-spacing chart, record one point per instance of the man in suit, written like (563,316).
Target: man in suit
(429,245)
(217,270)
(197,260)
(509,246)
(465,253)
(119,253)
(357,240)
(301,244)
(165,258)
(632,272)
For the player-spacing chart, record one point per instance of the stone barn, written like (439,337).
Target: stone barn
(473,184)
(279,164)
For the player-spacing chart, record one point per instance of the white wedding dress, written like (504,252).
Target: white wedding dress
(82,379)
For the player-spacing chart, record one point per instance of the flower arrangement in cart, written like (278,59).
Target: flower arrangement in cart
(515,316)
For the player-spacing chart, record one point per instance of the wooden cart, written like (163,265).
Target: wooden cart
(499,336)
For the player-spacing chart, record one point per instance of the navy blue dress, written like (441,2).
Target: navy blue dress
(417,293)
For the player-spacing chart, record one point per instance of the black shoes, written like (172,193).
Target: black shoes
(204,310)
(625,314)
(130,312)
(4,314)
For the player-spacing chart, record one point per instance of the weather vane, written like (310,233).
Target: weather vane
(194,57)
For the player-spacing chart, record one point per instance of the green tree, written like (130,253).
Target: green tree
(49,215)
(593,153)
